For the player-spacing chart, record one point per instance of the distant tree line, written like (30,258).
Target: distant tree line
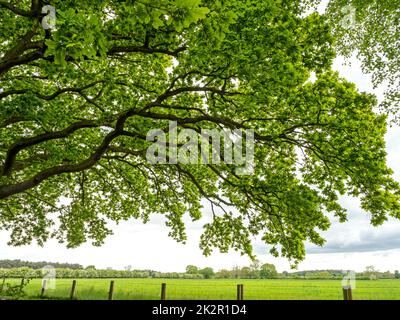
(76,273)
(8,264)
(255,271)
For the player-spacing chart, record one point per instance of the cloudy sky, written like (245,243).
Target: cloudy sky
(353,245)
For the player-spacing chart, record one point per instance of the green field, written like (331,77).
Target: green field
(136,289)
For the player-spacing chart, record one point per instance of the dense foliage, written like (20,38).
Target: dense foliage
(266,271)
(372,33)
(76,103)
(8,264)
(13,291)
(82,273)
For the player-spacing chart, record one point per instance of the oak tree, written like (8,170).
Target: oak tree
(77,101)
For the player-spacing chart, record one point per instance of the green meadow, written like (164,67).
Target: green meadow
(150,289)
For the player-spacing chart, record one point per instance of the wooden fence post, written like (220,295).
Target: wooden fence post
(111,292)
(347,293)
(21,286)
(239,292)
(43,288)
(72,295)
(163,291)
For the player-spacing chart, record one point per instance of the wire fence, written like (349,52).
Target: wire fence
(158,289)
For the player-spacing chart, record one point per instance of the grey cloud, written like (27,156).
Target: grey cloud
(368,241)
(353,236)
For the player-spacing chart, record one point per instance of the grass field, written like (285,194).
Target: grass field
(136,289)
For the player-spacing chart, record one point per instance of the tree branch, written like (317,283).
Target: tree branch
(9,190)
(25,143)
(129,49)
(16,10)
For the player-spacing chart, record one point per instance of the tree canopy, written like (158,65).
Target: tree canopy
(77,101)
(207,272)
(268,271)
(370,29)
(191,269)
